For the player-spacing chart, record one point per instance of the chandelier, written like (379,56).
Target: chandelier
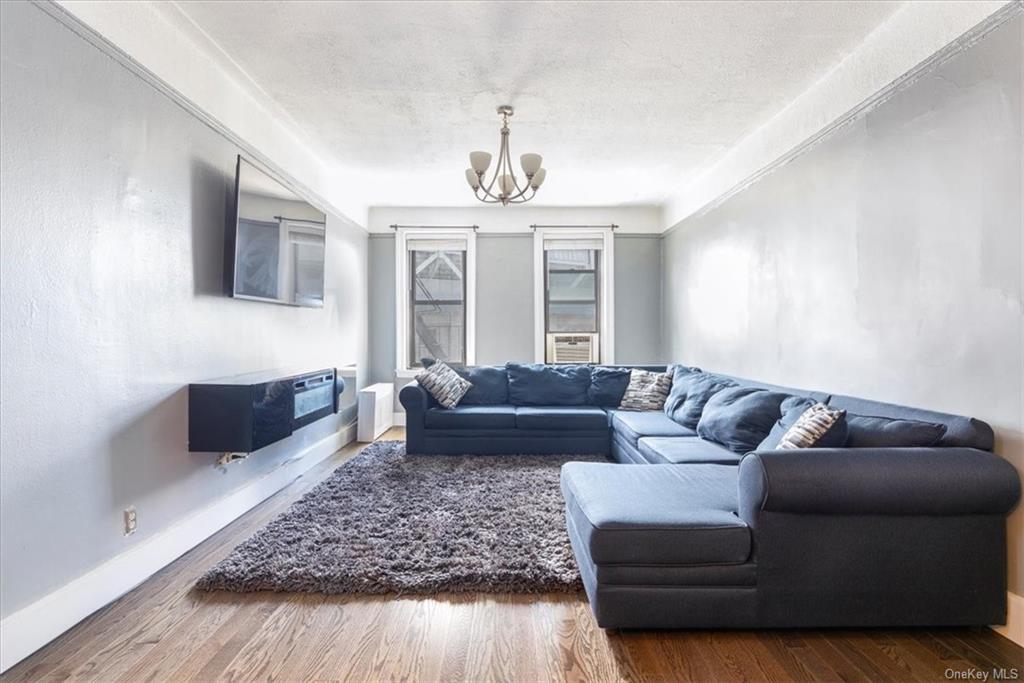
(503,187)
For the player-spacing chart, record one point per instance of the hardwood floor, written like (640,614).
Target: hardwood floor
(165,631)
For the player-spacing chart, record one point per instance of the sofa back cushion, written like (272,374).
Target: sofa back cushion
(547,385)
(698,388)
(740,418)
(607,386)
(871,431)
(680,383)
(490,383)
(960,431)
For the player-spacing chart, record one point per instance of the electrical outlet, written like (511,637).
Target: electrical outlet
(131,520)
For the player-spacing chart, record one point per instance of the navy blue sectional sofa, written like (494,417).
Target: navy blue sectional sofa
(901,524)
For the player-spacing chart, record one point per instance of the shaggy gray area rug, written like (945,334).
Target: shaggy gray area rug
(387,522)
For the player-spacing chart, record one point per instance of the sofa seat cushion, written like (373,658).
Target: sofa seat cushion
(656,514)
(569,418)
(634,426)
(471,417)
(673,450)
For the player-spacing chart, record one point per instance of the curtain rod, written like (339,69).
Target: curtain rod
(613,226)
(299,220)
(396,226)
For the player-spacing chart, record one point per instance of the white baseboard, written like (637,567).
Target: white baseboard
(399,419)
(32,627)
(1014,628)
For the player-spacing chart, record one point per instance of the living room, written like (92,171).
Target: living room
(512,340)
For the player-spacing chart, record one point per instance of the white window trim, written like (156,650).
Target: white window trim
(607,331)
(402,368)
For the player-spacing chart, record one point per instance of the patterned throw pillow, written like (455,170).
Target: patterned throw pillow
(646,390)
(444,384)
(811,427)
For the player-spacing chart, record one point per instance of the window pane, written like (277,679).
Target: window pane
(572,287)
(438,332)
(438,275)
(571,259)
(572,317)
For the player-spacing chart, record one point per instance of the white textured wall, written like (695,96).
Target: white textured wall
(884,263)
(111,232)
(911,35)
(162,39)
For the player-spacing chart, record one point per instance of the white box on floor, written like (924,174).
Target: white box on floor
(376,411)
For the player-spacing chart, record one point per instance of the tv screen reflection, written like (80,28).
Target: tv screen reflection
(278,242)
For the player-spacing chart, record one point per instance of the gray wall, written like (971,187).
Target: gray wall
(504,290)
(382,307)
(885,262)
(113,208)
(504,313)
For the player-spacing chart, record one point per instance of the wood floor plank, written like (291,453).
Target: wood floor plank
(165,630)
(991,647)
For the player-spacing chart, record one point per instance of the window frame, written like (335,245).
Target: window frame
(605,287)
(403,293)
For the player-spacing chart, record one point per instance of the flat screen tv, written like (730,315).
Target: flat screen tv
(274,246)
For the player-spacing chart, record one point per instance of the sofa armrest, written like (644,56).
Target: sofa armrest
(414,398)
(883,481)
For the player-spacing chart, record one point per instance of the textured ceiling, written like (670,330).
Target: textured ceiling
(624,100)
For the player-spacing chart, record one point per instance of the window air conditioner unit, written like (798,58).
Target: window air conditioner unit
(573,348)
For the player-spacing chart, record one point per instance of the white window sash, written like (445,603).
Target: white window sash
(552,244)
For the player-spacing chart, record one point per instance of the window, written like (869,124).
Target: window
(573,295)
(435,306)
(571,292)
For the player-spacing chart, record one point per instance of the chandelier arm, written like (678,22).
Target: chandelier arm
(484,198)
(488,197)
(508,165)
(497,167)
(487,190)
(524,200)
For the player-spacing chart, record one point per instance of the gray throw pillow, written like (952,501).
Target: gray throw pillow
(444,384)
(813,427)
(646,390)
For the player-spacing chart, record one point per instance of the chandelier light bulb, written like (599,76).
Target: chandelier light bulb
(480,161)
(502,187)
(531,163)
(538,178)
